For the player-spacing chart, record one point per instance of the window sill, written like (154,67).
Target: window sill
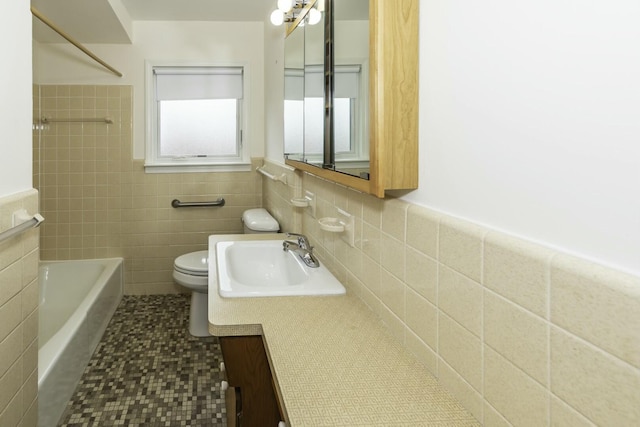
(195,167)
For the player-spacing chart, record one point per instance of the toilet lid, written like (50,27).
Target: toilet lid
(194,263)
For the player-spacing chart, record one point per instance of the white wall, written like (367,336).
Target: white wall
(530,121)
(274,91)
(218,42)
(15,97)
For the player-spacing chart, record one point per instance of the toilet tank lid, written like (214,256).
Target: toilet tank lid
(260,220)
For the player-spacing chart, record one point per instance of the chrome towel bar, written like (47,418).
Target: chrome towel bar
(22,222)
(178,204)
(282,177)
(107,120)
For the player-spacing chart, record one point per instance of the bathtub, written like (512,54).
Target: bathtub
(77,301)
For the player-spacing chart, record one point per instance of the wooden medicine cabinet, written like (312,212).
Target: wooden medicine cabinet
(390,134)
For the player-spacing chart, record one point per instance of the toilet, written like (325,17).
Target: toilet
(192,270)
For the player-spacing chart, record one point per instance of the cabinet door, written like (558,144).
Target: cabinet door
(248,372)
(392,119)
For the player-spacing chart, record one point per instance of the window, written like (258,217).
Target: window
(195,119)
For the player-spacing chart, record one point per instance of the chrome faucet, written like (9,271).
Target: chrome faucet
(302,248)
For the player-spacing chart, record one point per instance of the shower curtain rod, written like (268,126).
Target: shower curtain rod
(55,28)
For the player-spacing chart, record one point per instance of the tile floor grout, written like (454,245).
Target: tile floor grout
(148,370)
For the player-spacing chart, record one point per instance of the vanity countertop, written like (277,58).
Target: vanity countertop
(333,361)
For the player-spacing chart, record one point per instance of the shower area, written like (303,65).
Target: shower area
(82,141)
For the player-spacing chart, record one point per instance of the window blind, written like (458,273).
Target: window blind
(198,83)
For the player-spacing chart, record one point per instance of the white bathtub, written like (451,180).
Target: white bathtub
(77,301)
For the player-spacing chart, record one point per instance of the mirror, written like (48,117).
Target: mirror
(314,130)
(294,95)
(351,87)
(331,132)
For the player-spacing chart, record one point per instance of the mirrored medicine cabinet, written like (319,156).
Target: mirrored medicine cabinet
(351,94)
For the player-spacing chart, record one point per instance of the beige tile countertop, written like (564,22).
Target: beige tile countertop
(333,361)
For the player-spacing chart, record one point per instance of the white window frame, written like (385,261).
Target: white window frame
(155,164)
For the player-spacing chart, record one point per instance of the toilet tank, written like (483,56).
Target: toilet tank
(259,221)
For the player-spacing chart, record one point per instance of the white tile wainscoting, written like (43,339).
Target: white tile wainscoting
(521,334)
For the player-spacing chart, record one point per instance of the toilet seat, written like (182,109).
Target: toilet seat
(193,264)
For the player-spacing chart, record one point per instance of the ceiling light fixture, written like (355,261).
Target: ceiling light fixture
(285,5)
(289,10)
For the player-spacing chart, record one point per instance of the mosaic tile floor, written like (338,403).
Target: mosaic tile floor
(148,370)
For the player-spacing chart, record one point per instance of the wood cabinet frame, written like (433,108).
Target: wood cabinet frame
(393,102)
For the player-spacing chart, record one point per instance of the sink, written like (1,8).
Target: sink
(260,268)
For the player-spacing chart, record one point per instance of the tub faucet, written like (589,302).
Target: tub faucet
(302,248)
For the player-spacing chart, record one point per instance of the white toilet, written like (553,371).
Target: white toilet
(192,270)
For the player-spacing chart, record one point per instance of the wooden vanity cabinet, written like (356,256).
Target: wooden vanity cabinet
(251,399)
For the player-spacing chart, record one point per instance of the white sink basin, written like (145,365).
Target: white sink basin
(260,268)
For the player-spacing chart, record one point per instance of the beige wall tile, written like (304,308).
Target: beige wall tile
(372,211)
(517,270)
(461,298)
(29,390)
(519,336)
(422,318)
(392,255)
(604,389)
(422,230)
(394,218)
(10,383)
(461,390)
(519,398)
(460,247)
(392,293)
(10,350)
(29,329)
(10,316)
(424,353)
(394,324)
(421,274)
(371,275)
(11,279)
(461,350)
(492,340)
(99,200)
(597,304)
(371,241)
(562,415)
(492,418)
(13,412)
(31,415)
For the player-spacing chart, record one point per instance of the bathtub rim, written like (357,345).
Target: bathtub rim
(50,353)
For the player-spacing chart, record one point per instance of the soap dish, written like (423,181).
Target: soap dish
(300,202)
(333,225)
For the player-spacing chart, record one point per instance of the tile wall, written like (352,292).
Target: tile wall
(519,333)
(18,316)
(99,202)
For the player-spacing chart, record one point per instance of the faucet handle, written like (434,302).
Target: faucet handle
(303,242)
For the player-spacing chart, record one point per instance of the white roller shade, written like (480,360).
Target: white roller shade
(345,84)
(293,84)
(314,81)
(346,81)
(198,83)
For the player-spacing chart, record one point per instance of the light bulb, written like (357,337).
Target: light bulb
(277,17)
(314,16)
(285,5)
